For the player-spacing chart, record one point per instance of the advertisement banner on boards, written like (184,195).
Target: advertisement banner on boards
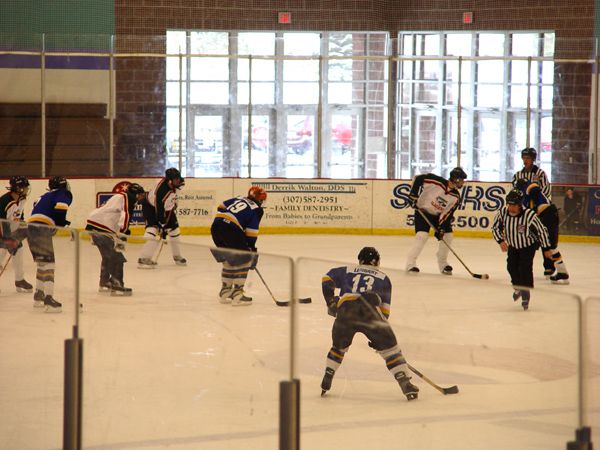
(317,204)
(479,204)
(579,209)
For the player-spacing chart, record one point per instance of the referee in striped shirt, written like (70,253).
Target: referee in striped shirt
(520,232)
(531,172)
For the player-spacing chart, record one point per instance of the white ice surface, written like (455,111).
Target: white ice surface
(170,367)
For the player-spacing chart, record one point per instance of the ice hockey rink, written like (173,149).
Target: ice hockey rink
(171,367)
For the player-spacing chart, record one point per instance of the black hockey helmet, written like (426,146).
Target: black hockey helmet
(173,174)
(458,174)
(514,197)
(529,151)
(18,184)
(58,182)
(369,255)
(135,189)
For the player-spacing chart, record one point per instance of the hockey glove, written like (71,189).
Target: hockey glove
(439,234)
(254,261)
(332,306)
(412,201)
(120,244)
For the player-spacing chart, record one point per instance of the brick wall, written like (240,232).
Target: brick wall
(140,131)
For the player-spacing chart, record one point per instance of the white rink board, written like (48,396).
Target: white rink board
(367,206)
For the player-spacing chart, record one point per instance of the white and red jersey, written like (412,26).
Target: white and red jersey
(434,196)
(113,216)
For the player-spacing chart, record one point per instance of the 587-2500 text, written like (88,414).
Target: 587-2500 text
(459,221)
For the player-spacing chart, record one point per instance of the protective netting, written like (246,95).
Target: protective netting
(338,105)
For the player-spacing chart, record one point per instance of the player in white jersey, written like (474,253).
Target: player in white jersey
(107,225)
(437,199)
(13,229)
(160,215)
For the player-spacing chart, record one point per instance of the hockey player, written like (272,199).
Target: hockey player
(519,232)
(235,226)
(108,225)
(49,212)
(533,198)
(362,305)
(161,220)
(14,229)
(437,199)
(531,172)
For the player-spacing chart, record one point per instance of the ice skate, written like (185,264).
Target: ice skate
(525,296)
(516,295)
(238,298)
(52,306)
(146,263)
(225,293)
(23,286)
(447,270)
(119,290)
(327,380)
(548,273)
(180,260)
(560,278)
(105,286)
(38,299)
(408,389)
(413,269)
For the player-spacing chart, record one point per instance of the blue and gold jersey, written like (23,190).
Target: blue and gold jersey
(352,281)
(244,213)
(51,208)
(534,197)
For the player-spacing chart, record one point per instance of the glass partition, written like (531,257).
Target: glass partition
(37,315)
(516,371)
(591,363)
(171,364)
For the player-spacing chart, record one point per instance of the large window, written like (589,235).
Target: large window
(502,79)
(247,104)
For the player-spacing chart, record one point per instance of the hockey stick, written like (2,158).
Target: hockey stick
(5,264)
(445,391)
(279,302)
(481,276)
(160,246)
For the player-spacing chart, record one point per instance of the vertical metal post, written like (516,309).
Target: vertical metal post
(181,110)
(528,122)
(319,123)
(459,114)
(595,168)
(390,122)
(289,391)
(73,370)
(249,116)
(111,109)
(43,105)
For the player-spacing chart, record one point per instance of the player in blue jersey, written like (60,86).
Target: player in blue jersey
(236,227)
(535,199)
(362,305)
(49,212)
